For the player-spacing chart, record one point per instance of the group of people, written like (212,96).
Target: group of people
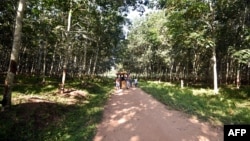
(129,82)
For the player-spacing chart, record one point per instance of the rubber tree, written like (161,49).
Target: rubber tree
(212,44)
(6,102)
(68,48)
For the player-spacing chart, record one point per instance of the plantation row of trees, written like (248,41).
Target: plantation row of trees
(82,34)
(193,40)
(59,37)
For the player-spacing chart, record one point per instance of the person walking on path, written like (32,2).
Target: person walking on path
(136,82)
(128,81)
(117,83)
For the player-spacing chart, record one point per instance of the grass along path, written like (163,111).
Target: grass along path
(40,113)
(231,106)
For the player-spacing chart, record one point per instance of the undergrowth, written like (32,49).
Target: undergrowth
(40,113)
(230,106)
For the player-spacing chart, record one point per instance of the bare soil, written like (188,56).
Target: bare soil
(133,115)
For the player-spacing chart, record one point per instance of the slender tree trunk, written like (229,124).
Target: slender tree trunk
(60,64)
(90,64)
(177,74)
(95,62)
(74,65)
(248,73)
(32,70)
(39,61)
(171,72)
(238,76)
(23,67)
(52,63)
(6,102)
(195,68)
(215,79)
(66,58)
(44,62)
(231,72)
(27,65)
(221,71)
(227,71)
(80,68)
(84,59)
(215,72)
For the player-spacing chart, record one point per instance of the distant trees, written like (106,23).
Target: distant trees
(78,36)
(192,40)
(188,39)
(95,31)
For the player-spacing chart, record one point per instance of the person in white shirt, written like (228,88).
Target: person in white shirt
(136,82)
(117,83)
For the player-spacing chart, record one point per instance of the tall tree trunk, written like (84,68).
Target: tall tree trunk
(215,79)
(32,70)
(84,59)
(227,70)
(195,68)
(96,59)
(238,76)
(60,64)
(74,67)
(66,58)
(178,71)
(52,62)
(38,68)
(44,61)
(90,65)
(215,72)
(23,69)
(231,72)
(171,72)
(6,102)
(248,73)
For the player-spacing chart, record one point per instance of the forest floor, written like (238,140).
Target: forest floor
(133,115)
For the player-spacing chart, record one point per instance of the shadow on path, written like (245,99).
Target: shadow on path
(133,115)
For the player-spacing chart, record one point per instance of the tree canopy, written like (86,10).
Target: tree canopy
(177,41)
(191,40)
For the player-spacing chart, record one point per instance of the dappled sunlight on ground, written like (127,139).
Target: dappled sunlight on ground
(132,115)
(135,138)
(202,91)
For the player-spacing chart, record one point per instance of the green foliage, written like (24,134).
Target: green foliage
(94,35)
(242,56)
(54,117)
(145,43)
(178,41)
(231,106)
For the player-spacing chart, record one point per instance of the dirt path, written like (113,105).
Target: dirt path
(133,115)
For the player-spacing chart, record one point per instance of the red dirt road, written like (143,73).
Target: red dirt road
(133,115)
